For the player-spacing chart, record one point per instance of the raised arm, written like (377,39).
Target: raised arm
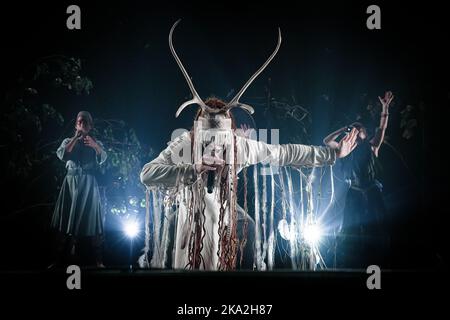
(378,138)
(66,147)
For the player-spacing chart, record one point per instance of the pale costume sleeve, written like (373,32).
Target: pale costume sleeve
(64,156)
(251,152)
(61,151)
(101,158)
(164,171)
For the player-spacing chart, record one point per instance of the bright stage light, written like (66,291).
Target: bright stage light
(312,233)
(131,228)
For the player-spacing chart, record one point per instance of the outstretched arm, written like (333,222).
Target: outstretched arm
(378,138)
(252,152)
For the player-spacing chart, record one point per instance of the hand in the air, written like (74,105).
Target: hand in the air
(386,101)
(347,144)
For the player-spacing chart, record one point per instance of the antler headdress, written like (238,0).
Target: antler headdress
(196,99)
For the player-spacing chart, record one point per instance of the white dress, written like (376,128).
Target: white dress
(170,170)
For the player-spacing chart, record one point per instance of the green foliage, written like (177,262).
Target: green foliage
(124,150)
(64,72)
(32,129)
(29,124)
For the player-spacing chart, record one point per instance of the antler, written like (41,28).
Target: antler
(195,96)
(235,101)
(196,99)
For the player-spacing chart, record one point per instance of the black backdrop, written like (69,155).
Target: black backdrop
(326,49)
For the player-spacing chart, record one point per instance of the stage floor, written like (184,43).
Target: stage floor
(165,280)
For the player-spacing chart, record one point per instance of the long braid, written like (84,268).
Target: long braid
(233,209)
(232,239)
(245,229)
(225,229)
(203,229)
(189,265)
(220,230)
(197,218)
(228,235)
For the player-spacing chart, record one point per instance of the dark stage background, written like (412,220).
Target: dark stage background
(329,63)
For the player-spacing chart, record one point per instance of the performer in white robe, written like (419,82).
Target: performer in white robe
(201,168)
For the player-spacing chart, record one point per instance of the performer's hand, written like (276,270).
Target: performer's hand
(88,141)
(386,101)
(209,163)
(78,135)
(347,144)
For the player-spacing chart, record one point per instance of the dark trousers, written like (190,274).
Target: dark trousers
(365,233)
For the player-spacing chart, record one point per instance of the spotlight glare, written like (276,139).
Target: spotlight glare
(131,228)
(312,234)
